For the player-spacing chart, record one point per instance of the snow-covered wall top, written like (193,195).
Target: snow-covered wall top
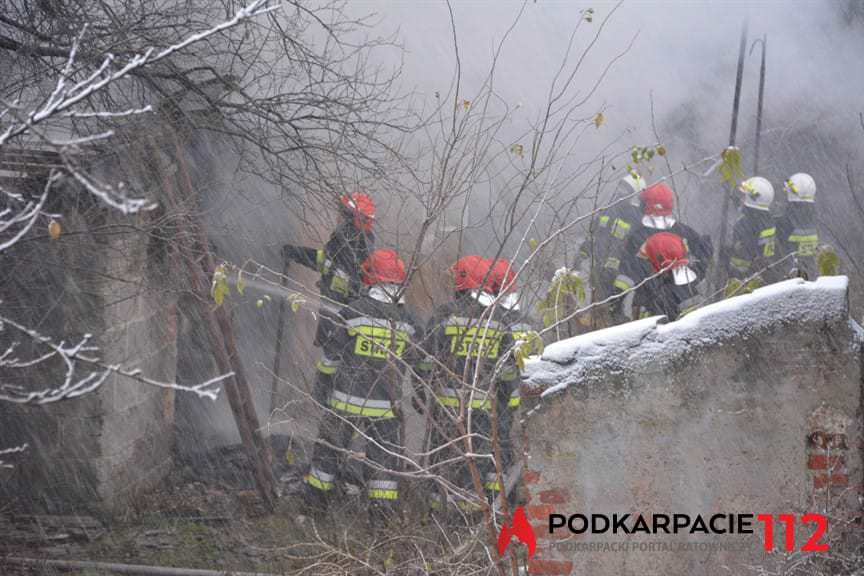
(628,347)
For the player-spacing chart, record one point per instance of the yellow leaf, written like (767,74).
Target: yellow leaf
(219,289)
(466,104)
(599,119)
(241,283)
(661,150)
(54,229)
(259,303)
(827,261)
(517,149)
(533,244)
(730,165)
(289,456)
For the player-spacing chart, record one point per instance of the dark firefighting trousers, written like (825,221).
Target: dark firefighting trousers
(445,412)
(350,416)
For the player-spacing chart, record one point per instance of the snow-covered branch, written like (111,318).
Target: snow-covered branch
(83,370)
(9,452)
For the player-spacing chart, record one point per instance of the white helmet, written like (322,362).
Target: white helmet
(630,185)
(758,193)
(800,188)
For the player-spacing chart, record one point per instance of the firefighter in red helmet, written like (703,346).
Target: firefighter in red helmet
(371,347)
(339,264)
(672,291)
(465,341)
(658,205)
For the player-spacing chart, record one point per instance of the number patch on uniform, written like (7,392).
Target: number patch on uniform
(378,342)
(475,342)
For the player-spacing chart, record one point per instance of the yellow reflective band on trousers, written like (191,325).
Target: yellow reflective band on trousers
(493,485)
(381,494)
(360,406)
(321,260)
(514,401)
(326,369)
(316,483)
(604,220)
(453,402)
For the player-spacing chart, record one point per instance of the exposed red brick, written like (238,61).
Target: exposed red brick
(549,567)
(539,512)
(837,481)
(825,462)
(554,496)
(530,476)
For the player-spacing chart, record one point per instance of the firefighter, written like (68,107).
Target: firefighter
(339,264)
(502,280)
(371,347)
(673,293)
(797,228)
(658,206)
(466,340)
(610,231)
(754,236)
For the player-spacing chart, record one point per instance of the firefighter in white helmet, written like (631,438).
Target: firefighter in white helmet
(754,236)
(608,234)
(797,228)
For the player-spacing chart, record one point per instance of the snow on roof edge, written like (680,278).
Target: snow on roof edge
(651,339)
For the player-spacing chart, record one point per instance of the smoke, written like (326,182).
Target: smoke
(682,60)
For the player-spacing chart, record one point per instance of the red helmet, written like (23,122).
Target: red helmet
(383,266)
(657,200)
(502,275)
(468,272)
(361,208)
(665,249)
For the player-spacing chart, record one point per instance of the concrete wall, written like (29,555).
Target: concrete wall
(751,406)
(107,277)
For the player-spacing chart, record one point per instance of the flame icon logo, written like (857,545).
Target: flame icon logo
(521,529)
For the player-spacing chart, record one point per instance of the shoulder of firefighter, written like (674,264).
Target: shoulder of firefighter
(754,243)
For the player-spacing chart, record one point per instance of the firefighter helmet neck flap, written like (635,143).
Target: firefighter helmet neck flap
(667,251)
(360,209)
(758,193)
(800,187)
(384,272)
(658,203)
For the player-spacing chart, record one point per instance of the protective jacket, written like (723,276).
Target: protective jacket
(797,231)
(754,243)
(339,261)
(610,232)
